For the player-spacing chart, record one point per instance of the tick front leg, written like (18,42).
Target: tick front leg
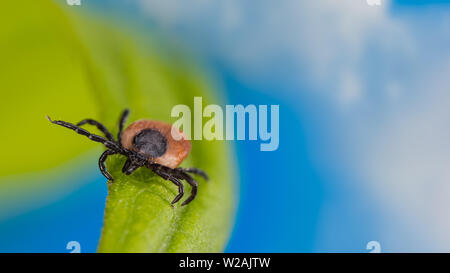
(99,126)
(101,164)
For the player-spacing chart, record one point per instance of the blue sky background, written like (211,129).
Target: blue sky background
(364,139)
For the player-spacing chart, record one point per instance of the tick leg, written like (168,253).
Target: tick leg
(101,164)
(180,189)
(178,173)
(165,174)
(122,121)
(126,165)
(131,168)
(100,126)
(195,171)
(194,185)
(108,143)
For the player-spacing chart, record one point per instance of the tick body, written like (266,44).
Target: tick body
(145,143)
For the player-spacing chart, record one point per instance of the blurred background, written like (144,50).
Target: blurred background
(364,152)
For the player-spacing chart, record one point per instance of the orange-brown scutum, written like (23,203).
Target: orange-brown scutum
(177,150)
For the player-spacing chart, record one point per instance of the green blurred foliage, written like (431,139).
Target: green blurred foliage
(72,66)
(42,72)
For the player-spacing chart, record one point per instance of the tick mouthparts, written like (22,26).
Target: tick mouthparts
(49,119)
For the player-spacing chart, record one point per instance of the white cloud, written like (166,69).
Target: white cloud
(353,53)
(350,88)
(407,161)
(325,41)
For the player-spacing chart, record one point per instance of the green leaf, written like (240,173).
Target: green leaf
(73,66)
(42,72)
(140,74)
(139,217)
